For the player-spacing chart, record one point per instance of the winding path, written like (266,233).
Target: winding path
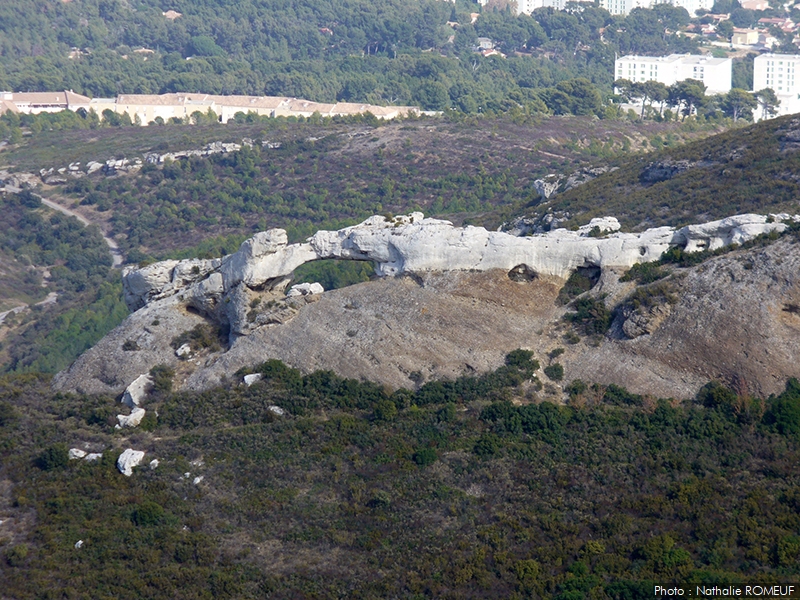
(116,253)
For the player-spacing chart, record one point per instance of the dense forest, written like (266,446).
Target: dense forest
(451,491)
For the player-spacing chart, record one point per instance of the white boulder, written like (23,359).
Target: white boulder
(252,378)
(93,456)
(136,392)
(131,420)
(128,460)
(305,289)
(78,544)
(603,224)
(184,351)
(154,464)
(277,410)
(76,454)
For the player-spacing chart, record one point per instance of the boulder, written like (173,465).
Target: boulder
(93,456)
(305,289)
(136,392)
(128,460)
(154,464)
(131,420)
(252,378)
(603,224)
(277,410)
(184,351)
(76,454)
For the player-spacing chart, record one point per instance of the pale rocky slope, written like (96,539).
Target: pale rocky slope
(458,310)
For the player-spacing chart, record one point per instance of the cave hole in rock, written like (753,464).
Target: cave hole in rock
(522,274)
(333,273)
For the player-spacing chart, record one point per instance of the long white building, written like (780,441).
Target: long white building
(715,73)
(779,72)
(148,108)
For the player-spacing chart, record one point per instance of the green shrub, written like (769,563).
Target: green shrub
(579,282)
(54,457)
(619,396)
(716,395)
(425,456)
(162,378)
(644,273)
(784,411)
(522,360)
(576,388)
(8,416)
(487,445)
(16,555)
(591,315)
(554,372)
(200,337)
(385,410)
(148,513)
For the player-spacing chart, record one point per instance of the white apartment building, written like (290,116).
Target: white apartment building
(528,6)
(779,72)
(623,7)
(715,73)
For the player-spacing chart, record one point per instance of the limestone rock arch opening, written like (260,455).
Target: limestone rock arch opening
(334,273)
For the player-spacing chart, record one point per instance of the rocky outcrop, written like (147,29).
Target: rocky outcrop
(473,296)
(664,170)
(129,459)
(414,244)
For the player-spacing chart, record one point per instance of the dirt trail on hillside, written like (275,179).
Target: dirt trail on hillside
(116,253)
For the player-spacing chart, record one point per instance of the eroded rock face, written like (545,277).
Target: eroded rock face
(394,337)
(414,244)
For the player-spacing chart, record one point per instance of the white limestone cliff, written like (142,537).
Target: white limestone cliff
(414,244)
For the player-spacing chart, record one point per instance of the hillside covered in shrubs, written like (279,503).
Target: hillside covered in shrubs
(465,489)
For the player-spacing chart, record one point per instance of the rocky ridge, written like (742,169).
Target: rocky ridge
(464,296)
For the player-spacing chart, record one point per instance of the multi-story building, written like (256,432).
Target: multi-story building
(778,72)
(623,7)
(715,73)
(528,6)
